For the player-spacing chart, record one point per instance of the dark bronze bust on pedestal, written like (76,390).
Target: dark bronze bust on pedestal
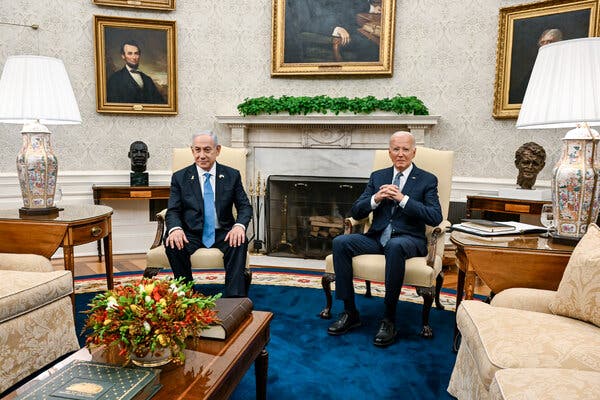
(530,159)
(138,153)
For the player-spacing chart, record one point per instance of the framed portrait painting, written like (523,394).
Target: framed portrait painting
(135,65)
(522,30)
(147,4)
(333,37)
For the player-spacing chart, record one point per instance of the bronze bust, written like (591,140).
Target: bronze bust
(530,159)
(138,153)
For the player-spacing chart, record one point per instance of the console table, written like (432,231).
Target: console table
(44,234)
(503,205)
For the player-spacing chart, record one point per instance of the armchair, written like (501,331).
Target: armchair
(425,273)
(202,258)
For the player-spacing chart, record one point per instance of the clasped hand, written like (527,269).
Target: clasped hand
(235,237)
(390,192)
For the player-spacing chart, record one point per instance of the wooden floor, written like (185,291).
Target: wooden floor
(137,262)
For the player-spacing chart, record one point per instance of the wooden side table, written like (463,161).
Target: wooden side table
(43,235)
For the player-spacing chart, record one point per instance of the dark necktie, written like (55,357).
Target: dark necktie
(208,230)
(387,232)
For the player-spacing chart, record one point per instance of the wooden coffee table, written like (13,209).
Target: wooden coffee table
(212,368)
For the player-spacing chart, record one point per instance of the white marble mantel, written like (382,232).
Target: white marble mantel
(345,131)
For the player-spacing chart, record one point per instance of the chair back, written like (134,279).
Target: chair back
(438,162)
(234,157)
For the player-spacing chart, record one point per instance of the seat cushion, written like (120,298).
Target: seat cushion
(578,294)
(371,267)
(545,383)
(23,291)
(201,259)
(501,338)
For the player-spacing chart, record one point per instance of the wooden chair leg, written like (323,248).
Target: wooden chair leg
(427,293)
(439,282)
(368,289)
(326,283)
(247,278)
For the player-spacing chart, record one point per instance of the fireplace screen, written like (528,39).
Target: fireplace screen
(305,213)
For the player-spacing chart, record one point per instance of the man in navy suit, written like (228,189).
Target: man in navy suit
(129,84)
(200,214)
(403,199)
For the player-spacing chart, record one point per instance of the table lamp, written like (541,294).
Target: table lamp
(35,91)
(564,92)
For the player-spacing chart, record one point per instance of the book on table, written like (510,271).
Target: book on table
(487,225)
(517,229)
(96,381)
(231,312)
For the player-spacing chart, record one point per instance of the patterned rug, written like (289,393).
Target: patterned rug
(304,279)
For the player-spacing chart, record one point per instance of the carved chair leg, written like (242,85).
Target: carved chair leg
(439,282)
(368,289)
(247,278)
(427,293)
(326,283)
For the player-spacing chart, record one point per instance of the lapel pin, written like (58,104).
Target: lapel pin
(192,178)
(221,176)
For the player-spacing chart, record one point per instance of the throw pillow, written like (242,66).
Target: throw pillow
(578,294)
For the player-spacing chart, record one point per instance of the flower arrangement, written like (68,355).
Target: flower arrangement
(149,316)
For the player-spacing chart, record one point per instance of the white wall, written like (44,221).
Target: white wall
(445,53)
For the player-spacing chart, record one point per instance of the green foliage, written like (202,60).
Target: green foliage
(322,104)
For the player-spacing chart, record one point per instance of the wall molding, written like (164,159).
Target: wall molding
(132,230)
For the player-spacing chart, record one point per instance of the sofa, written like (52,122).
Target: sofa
(532,343)
(36,316)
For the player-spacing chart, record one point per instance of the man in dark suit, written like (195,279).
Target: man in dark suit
(403,199)
(129,84)
(200,214)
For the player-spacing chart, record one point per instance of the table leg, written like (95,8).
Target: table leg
(69,263)
(460,287)
(261,366)
(108,260)
(99,243)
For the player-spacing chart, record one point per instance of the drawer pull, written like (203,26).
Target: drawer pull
(96,231)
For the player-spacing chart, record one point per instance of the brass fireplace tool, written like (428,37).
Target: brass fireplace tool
(283,243)
(257,193)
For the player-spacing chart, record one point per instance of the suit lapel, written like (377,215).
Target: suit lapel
(194,181)
(218,185)
(411,181)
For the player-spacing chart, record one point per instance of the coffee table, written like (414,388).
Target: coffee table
(212,369)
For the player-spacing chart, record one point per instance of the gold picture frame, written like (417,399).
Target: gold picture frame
(121,89)
(311,38)
(522,30)
(147,4)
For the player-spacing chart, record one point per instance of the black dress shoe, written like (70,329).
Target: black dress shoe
(345,322)
(386,334)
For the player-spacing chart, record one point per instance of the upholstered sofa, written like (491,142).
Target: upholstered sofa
(535,344)
(36,316)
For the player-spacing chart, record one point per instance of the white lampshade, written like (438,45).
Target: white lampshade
(37,88)
(564,88)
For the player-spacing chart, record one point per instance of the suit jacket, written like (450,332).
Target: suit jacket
(186,205)
(122,88)
(423,206)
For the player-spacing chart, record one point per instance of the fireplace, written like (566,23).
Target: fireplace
(304,213)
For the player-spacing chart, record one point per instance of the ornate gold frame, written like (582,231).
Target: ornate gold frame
(508,15)
(384,66)
(148,4)
(137,25)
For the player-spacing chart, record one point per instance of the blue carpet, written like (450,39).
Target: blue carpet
(306,363)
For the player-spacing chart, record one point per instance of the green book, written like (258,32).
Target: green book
(86,380)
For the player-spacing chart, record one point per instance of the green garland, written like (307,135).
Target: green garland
(322,104)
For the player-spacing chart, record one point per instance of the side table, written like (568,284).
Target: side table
(44,234)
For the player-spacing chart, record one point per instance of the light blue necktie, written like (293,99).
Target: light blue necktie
(387,232)
(208,230)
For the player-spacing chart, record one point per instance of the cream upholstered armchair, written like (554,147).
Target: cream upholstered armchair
(425,273)
(202,258)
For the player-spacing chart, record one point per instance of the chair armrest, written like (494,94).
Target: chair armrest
(352,225)
(435,241)
(160,228)
(525,299)
(25,262)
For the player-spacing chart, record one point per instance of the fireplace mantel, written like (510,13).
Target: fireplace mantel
(324,130)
